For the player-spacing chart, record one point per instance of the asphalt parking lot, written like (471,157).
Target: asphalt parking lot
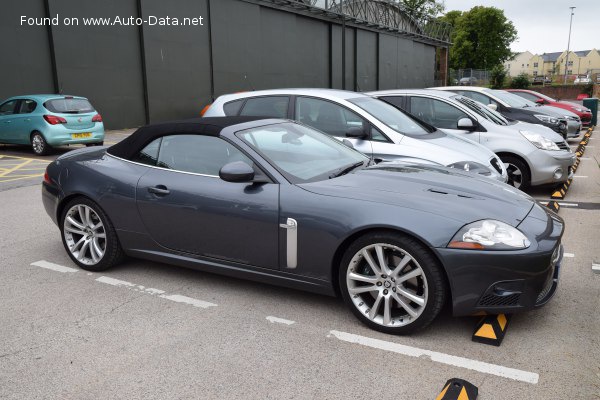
(150,330)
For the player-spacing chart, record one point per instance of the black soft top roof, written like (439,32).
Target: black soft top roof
(209,126)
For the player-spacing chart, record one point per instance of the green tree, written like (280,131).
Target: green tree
(423,9)
(520,82)
(498,76)
(481,37)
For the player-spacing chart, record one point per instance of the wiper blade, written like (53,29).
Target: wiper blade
(346,169)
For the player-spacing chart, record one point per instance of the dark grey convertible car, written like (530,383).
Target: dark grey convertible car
(278,202)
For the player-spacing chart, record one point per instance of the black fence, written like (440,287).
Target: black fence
(136,74)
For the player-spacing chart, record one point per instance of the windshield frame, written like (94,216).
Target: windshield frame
(481,109)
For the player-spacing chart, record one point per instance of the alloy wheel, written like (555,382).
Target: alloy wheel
(387,285)
(84,234)
(515,175)
(38,144)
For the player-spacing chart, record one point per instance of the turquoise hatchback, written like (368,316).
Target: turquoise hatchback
(47,120)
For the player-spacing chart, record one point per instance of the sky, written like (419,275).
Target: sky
(543,25)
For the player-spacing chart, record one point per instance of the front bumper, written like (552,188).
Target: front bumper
(508,281)
(573,128)
(545,166)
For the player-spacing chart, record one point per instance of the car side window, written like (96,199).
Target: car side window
(8,108)
(233,107)
(197,154)
(326,116)
(149,154)
(396,101)
(377,136)
(269,106)
(27,106)
(477,97)
(526,96)
(422,108)
(443,114)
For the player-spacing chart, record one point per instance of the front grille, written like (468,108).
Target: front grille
(562,145)
(496,164)
(491,299)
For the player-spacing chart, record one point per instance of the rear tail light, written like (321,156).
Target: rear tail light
(54,120)
(97,118)
(205,109)
(47,177)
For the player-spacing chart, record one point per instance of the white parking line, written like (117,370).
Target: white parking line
(188,300)
(152,291)
(596,268)
(579,176)
(53,267)
(480,366)
(569,255)
(272,320)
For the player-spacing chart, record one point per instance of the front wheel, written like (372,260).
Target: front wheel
(39,145)
(392,283)
(88,235)
(518,172)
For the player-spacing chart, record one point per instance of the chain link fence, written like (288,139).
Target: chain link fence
(469,77)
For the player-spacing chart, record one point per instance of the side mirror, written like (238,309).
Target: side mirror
(493,107)
(237,172)
(357,133)
(540,101)
(466,124)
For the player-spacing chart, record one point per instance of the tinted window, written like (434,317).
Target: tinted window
(477,97)
(69,106)
(27,106)
(8,108)
(396,101)
(149,154)
(527,96)
(233,107)
(436,112)
(389,115)
(326,116)
(198,154)
(272,106)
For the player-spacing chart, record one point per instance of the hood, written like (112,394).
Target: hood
(435,190)
(537,128)
(445,148)
(554,111)
(575,105)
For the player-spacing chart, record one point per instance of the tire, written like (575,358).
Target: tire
(89,236)
(39,145)
(518,172)
(370,290)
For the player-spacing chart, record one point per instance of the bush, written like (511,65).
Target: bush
(520,82)
(498,75)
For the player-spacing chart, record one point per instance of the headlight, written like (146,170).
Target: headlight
(471,166)
(547,119)
(539,141)
(579,109)
(489,235)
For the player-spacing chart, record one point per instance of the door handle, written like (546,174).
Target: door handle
(159,190)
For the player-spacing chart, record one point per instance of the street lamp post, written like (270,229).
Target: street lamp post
(569,44)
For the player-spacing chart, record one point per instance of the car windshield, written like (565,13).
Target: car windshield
(482,110)
(390,116)
(543,96)
(302,154)
(512,99)
(69,105)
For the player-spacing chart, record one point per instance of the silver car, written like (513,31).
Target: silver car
(371,126)
(533,154)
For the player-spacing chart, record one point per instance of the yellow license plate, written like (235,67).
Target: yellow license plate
(81,135)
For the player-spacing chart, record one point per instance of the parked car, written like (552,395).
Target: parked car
(584,113)
(532,154)
(541,80)
(369,125)
(513,107)
(582,80)
(44,121)
(468,81)
(278,202)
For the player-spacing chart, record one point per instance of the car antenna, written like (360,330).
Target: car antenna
(249,81)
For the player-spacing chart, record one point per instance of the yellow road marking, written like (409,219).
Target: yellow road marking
(22,176)
(8,171)
(32,169)
(9,179)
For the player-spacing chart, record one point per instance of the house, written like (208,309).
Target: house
(518,64)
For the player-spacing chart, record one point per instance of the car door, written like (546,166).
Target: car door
(22,121)
(185,206)
(8,111)
(442,115)
(332,119)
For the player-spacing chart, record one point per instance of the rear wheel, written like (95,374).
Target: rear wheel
(518,172)
(88,235)
(39,145)
(392,283)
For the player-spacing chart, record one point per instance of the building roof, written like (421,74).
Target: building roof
(551,57)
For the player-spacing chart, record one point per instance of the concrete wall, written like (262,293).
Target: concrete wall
(138,74)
